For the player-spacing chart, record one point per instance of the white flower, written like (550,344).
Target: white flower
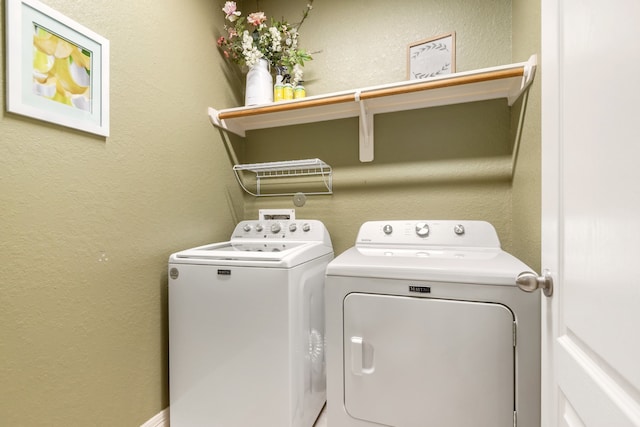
(294,38)
(247,40)
(276,39)
(231,11)
(252,57)
(297,74)
(250,52)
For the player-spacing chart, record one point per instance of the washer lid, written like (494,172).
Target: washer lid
(281,254)
(264,243)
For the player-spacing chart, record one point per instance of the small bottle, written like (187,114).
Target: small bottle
(288,88)
(278,88)
(299,91)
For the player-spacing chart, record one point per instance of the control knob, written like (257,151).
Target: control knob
(247,228)
(387,229)
(293,227)
(275,228)
(422,229)
(259,227)
(306,227)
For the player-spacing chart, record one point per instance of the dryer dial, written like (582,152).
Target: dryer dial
(275,228)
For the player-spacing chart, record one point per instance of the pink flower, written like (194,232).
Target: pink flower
(226,54)
(220,41)
(230,10)
(256,18)
(232,32)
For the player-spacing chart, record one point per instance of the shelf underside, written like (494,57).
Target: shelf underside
(508,81)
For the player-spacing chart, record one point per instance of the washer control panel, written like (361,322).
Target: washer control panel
(297,230)
(428,233)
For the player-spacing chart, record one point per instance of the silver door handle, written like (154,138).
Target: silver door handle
(529,282)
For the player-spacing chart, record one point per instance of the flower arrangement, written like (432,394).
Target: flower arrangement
(250,39)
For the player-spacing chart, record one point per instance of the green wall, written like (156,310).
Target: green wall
(526,221)
(450,162)
(88,223)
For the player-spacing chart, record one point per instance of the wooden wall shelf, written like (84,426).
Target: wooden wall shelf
(507,81)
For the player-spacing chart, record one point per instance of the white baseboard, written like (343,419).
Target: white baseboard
(161,419)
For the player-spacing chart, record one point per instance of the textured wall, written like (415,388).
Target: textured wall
(526,181)
(441,163)
(364,42)
(87,223)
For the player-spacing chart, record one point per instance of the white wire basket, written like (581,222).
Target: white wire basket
(299,174)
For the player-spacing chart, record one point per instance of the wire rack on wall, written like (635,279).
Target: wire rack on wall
(313,173)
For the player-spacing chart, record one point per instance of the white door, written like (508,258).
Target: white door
(591,212)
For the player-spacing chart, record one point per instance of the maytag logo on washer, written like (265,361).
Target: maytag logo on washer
(420,289)
(224,272)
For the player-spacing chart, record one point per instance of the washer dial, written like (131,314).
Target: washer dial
(422,229)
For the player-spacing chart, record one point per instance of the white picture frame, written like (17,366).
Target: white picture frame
(432,57)
(57,69)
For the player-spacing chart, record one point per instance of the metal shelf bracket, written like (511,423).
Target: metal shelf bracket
(366,130)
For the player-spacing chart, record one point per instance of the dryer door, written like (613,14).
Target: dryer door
(413,362)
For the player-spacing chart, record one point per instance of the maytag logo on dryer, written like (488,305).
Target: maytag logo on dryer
(420,289)
(224,272)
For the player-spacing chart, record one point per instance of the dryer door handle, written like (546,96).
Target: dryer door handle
(356,355)
(362,361)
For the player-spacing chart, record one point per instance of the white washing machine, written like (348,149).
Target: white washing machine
(426,327)
(246,327)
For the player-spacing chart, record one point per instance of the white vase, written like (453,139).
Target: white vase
(259,89)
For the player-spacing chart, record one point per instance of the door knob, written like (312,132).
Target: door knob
(529,282)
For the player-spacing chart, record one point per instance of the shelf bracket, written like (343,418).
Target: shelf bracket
(366,131)
(222,124)
(527,79)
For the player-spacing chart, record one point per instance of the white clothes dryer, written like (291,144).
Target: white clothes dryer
(246,327)
(426,327)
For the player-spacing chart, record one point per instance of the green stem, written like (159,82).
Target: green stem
(305,14)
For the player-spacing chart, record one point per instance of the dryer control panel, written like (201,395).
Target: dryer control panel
(428,233)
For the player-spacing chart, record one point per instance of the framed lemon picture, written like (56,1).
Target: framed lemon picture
(57,70)
(432,57)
